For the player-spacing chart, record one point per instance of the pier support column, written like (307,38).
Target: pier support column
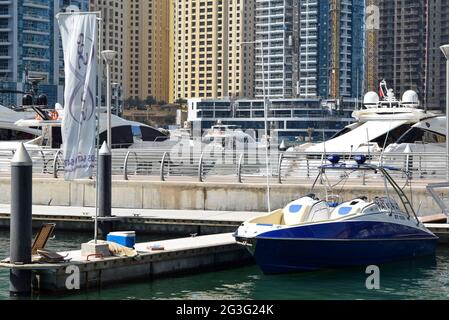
(104,177)
(20,227)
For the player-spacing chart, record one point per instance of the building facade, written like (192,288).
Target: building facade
(212,49)
(350,41)
(28,44)
(114,14)
(297,37)
(148,38)
(274,64)
(437,35)
(402,45)
(309,18)
(294,120)
(408,57)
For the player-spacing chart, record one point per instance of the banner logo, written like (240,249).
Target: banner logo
(87,110)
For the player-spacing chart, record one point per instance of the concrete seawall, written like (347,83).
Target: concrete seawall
(197,196)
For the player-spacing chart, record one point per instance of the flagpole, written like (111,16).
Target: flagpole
(97,145)
(99,93)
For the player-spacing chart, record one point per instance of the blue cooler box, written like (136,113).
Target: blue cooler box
(124,238)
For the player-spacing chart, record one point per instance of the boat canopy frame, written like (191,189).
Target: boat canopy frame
(388,179)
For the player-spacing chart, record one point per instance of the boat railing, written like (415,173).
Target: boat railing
(211,164)
(440,193)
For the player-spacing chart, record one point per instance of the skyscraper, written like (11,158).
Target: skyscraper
(211,54)
(274,64)
(437,34)
(347,58)
(402,45)
(114,14)
(148,38)
(309,18)
(28,42)
(299,37)
(410,34)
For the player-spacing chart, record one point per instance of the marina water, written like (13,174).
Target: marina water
(419,279)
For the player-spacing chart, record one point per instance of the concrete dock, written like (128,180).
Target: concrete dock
(174,222)
(179,256)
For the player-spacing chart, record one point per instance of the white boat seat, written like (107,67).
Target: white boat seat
(348,208)
(320,211)
(297,211)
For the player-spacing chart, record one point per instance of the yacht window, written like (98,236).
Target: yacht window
(151,134)
(122,137)
(419,135)
(391,136)
(341,132)
(11,135)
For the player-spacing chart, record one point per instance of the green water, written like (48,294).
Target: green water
(418,279)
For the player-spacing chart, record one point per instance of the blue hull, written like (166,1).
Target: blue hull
(281,256)
(339,244)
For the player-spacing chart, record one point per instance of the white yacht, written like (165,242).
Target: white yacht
(10,133)
(381,122)
(46,125)
(231,137)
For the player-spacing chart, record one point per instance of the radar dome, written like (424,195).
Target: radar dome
(371,98)
(410,97)
(72,9)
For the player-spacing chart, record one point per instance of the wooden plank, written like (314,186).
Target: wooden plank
(436,218)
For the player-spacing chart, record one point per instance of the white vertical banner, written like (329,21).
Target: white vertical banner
(79,34)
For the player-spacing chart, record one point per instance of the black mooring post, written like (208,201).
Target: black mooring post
(105,189)
(20,226)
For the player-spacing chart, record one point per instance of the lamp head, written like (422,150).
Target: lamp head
(445,50)
(109,55)
(72,9)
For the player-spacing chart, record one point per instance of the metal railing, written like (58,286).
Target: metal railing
(45,161)
(440,193)
(284,167)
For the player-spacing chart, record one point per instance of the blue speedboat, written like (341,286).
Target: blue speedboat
(312,234)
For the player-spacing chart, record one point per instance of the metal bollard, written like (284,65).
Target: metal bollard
(104,177)
(20,227)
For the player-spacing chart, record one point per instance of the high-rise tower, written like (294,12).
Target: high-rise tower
(28,43)
(148,40)
(212,49)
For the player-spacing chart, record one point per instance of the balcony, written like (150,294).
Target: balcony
(39,4)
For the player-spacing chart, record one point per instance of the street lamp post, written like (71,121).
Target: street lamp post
(445,50)
(108,56)
(265,108)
